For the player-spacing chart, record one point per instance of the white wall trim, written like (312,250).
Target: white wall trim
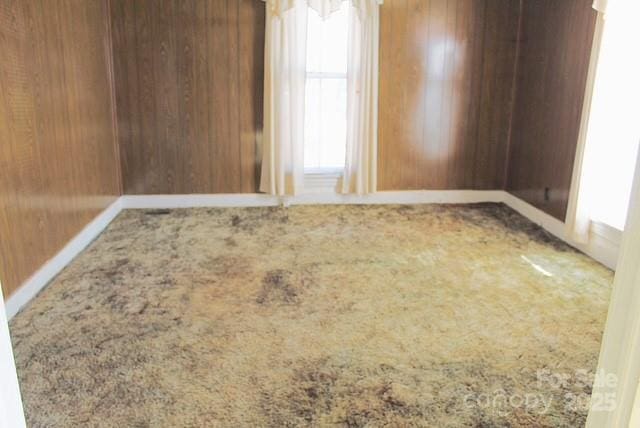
(198,201)
(620,350)
(11,411)
(603,244)
(260,200)
(51,268)
(322,182)
(401,197)
(602,248)
(546,221)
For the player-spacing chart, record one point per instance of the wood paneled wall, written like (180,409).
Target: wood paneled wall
(189,78)
(189,93)
(556,38)
(474,94)
(446,89)
(58,163)
(483,94)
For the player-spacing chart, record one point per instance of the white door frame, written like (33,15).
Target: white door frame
(619,363)
(11,412)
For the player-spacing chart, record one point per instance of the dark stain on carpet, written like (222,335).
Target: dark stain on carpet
(277,287)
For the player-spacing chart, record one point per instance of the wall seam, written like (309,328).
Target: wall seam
(513,97)
(114,107)
(476,135)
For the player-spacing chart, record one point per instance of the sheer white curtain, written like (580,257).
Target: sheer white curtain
(360,172)
(284,85)
(600,5)
(284,94)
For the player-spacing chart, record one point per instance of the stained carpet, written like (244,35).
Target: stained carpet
(426,315)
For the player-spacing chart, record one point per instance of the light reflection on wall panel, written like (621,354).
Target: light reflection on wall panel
(446,78)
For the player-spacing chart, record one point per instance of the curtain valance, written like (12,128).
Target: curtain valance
(323,7)
(600,5)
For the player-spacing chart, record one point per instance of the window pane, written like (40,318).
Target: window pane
(614,128)
(327,41)
(325,123)
(326,95)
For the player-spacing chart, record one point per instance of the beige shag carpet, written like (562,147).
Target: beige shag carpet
(426,315)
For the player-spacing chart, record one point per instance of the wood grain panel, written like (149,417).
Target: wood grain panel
(556,39)
(58,163)
(189,94)
(446,91)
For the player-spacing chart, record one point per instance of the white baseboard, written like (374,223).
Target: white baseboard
(11,410)
(602,246)
(51,268)
(539,217)
(401,197)
(198,200)
(604,249)
(260,200)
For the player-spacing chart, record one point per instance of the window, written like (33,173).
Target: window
(325,127)
(614,130)
(320,131)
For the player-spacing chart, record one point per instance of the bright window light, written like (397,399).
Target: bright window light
(325,126)
(614,124)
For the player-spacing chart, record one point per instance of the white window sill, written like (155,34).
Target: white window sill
(604,231)
(322,180)
(604,243)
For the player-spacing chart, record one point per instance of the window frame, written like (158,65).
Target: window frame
(320,179)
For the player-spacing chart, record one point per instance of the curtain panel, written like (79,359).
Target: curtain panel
(284,88)
(360,173)
(600,5)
